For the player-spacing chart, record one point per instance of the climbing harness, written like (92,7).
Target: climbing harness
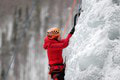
(56,68)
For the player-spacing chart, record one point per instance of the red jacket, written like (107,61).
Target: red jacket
(54,49)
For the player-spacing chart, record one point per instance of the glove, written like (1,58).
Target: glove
(75,19)
(72,30)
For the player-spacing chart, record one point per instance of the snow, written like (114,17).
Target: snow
(94,50)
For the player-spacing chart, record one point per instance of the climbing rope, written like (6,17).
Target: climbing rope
(68,20)
(70,16)
(71,13)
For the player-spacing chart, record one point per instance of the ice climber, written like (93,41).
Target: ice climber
(54,46)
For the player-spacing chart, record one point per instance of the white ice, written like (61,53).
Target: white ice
(94,50)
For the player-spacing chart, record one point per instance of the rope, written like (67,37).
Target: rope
(14,55)
(70,16)
(71,12)
(80,1)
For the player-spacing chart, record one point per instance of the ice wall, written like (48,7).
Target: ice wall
(94,50)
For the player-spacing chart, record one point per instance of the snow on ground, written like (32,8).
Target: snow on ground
(94,50)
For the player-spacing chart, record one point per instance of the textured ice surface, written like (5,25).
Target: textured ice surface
(94,50)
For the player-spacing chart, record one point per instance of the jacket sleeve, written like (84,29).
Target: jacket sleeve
(63,44)
(68,37)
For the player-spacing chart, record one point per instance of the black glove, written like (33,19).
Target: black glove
(75,21)
(72,30)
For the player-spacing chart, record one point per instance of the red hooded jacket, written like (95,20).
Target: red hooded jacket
(54,49)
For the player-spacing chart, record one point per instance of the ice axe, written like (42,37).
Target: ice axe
(77,15)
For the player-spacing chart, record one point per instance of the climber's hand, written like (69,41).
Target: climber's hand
(72,30)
